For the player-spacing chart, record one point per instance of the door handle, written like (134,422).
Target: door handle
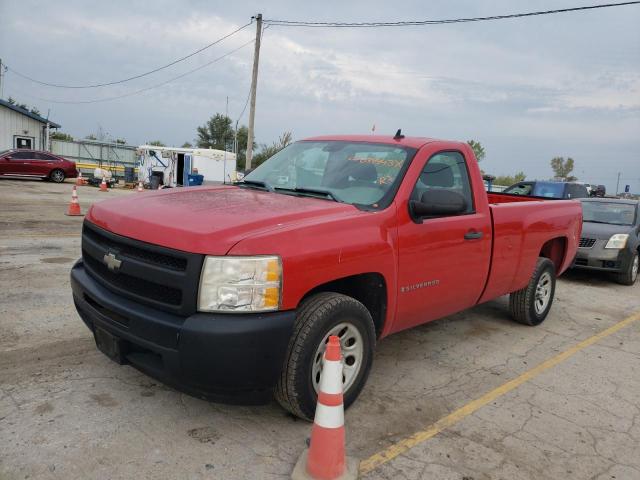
(472,235)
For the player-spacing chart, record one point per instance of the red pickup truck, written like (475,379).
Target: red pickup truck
(230,292)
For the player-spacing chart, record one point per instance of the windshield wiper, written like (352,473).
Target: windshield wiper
(257,183)
(313,191)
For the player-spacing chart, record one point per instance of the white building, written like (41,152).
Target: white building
(19,128)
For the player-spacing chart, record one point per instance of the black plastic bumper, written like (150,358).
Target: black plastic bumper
(231,358)
(603,259)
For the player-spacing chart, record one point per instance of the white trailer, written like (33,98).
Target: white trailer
(173,165)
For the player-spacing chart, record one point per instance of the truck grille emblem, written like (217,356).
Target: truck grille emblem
(111,261)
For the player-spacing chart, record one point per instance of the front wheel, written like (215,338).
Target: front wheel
(531,305)
(630,275)
(319,317)
(57,176)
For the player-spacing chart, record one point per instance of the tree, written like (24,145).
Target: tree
(268,151)
(121,141)
(61,136)
(562,168)
(187,145)
(91,136)
(507,180)
(156,143)
(241,154)
(218,133)
(478,149)
(35,111)
(11,100)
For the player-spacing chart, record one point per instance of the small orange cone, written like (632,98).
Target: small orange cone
(140,187)
(325,459)
(103,185)
(74,206)
(79,180)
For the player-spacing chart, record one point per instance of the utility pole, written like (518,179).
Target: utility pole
(254,86)
(1,75)
(224,167)
(618,184)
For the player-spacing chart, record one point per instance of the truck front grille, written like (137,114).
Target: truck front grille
(160,277)
(587,242)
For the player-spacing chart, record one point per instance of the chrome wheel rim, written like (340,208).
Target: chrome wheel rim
(352,347)
(634,268)
(58,176)
(543,293)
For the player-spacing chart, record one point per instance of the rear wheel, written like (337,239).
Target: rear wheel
(630,276)
(319,317)
(57,176)
(531,305)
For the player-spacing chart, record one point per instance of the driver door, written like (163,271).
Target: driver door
(443,261)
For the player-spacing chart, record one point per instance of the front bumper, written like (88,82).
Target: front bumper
(604,259)
(231,358)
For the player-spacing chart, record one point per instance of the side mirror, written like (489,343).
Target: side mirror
(8,157)
(437,203)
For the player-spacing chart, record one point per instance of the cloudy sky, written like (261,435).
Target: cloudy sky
(528,89)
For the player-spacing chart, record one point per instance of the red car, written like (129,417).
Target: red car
(230,292)
(36,163)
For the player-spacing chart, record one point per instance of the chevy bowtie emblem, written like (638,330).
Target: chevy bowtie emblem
(111,261)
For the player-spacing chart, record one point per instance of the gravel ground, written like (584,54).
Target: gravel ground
(67,412)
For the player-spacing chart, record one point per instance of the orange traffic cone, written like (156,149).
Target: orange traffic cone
(74,206)
(325,459)
(103,185)
(79,179)
(140,187)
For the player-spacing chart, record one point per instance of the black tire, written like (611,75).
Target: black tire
(315,318)
(522,304)
(57,176)
(630,276)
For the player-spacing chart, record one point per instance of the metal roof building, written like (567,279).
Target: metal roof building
(20,128)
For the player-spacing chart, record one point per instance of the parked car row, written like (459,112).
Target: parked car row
(36,163)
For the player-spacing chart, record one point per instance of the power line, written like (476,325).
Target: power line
(96,85)
(407,23)
(130,94)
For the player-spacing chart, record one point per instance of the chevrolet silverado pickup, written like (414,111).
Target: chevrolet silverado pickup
(230,292)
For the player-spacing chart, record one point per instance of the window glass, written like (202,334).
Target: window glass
(579,191)
(44,156)
(609,212)
(446,170)
(549,189)
(22,142)
(520,189)
(360,173)
(22,155)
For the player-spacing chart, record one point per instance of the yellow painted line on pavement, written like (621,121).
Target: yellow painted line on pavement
(391,452)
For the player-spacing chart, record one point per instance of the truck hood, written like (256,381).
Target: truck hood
(208,220)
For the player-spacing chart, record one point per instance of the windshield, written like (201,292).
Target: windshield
(366,174)
(549,189)
(609,212)
(3,152)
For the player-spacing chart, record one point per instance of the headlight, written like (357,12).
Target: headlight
(240,284)
(617,241)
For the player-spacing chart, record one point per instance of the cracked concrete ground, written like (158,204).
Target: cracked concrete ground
(67,412)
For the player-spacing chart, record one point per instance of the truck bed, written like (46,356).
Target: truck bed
(496,198)
(521,225)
